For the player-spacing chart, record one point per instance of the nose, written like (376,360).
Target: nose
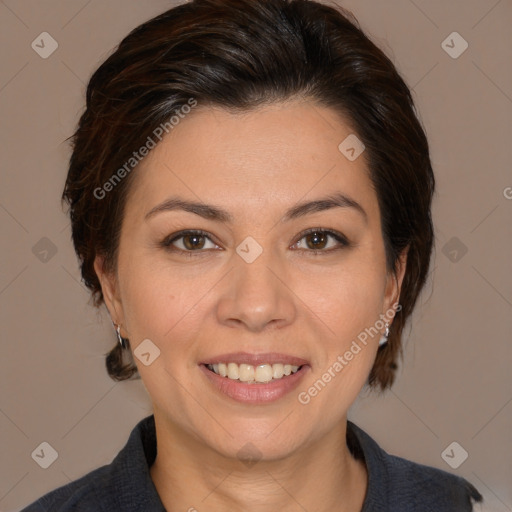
(256,295)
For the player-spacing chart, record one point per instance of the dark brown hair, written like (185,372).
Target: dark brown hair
(239,55)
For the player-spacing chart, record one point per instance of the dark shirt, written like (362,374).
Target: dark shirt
(394,484)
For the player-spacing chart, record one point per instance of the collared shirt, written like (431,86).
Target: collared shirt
(394,484)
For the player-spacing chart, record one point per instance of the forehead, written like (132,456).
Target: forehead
(265,159)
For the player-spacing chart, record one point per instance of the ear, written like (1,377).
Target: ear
(110,289)
(394,281)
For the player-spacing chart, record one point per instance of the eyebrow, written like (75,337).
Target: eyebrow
(211,212)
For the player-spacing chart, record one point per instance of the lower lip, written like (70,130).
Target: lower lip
(256,393)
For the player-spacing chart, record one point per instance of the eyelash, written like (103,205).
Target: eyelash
(341,239)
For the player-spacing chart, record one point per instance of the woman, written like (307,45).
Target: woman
(250,194)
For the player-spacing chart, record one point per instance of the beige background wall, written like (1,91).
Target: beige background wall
(456,382)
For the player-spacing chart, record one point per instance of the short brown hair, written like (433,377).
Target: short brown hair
(241,54)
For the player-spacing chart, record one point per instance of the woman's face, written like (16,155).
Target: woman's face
(252,284)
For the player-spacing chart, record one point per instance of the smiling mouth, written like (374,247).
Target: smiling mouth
(250,374)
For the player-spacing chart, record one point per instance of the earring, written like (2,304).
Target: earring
(384,338)
(122,341)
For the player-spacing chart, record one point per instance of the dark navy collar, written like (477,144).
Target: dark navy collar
(130,470)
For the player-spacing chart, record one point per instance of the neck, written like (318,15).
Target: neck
(323,476)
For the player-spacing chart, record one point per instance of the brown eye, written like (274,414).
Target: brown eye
(321,241)
(316,240)
(188,241)
(193,241)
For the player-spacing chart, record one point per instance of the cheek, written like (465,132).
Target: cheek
(153,309)
(346,304)
(163,305)
(345,300)
(165,309)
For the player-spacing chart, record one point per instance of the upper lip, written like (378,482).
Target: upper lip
(255,359)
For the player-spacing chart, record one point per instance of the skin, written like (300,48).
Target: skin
(255,165)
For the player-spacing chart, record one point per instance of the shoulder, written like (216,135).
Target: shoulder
(91,490)
(400,485)
(428,488)
(124,484)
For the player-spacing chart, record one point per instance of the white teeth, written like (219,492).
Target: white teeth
(223,370)
(245,372)
(248,373)
(232,371)
(277,371)
(263,373)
